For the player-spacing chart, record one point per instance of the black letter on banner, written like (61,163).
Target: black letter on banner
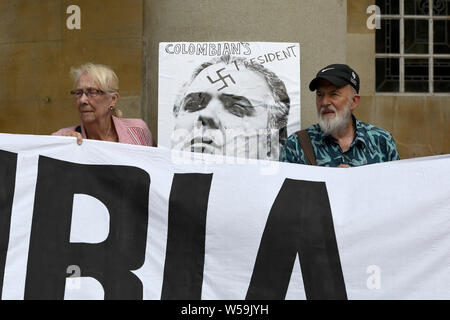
(124,191)
(185,252)
(299,221)
(8,163)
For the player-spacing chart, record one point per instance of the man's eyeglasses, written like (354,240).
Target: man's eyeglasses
(90,93)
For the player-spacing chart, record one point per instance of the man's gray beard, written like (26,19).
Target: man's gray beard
(333,126)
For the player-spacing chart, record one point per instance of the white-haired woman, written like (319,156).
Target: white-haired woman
(96,91)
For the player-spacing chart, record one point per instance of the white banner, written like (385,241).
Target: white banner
(115,221)
(228,98)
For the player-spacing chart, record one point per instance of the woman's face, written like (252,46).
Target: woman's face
(95,108)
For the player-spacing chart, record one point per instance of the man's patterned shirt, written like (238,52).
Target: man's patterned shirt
(370,145)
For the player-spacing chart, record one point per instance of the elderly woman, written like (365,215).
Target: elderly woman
(96,91)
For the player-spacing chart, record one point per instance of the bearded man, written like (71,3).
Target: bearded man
(338,139)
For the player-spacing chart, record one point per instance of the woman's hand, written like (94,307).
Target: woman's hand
(74,134)
(342,165)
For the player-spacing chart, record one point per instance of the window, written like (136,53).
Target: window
(413,47)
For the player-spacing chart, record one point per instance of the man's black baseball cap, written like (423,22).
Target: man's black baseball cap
(338,74)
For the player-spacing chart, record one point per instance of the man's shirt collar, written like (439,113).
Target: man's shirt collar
(360,139)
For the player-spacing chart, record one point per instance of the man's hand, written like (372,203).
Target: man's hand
(74,134)
(342,165)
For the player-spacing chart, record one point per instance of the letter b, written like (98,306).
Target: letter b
(124,191)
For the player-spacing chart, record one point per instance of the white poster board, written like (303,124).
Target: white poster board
(228,98)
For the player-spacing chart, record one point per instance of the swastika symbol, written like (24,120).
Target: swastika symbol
(221,78)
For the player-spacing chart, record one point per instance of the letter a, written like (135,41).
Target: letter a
(374,280)
(74,21)
(300,222)
(375,17)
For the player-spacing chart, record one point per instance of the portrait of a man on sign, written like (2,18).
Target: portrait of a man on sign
(229,99)
(232,107)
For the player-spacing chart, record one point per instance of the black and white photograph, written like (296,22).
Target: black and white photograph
(235,99)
